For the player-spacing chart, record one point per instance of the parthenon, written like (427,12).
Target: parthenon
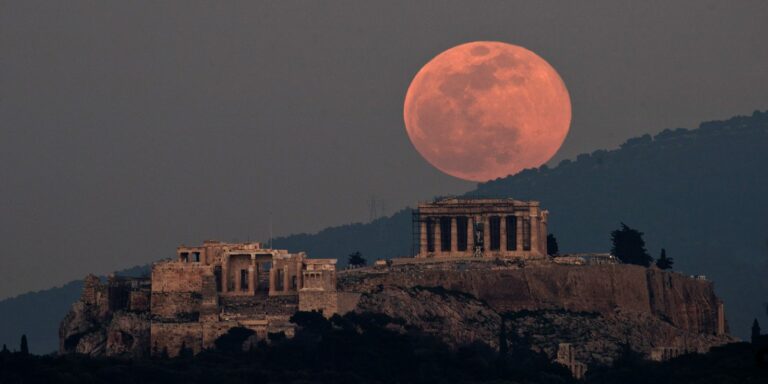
(504,228)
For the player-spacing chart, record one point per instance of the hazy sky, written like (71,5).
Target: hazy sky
(129,127)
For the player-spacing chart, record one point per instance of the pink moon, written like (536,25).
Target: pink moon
(484,110)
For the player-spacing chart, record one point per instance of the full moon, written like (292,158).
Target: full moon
(486,109)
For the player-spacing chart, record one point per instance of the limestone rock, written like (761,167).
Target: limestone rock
(598,309)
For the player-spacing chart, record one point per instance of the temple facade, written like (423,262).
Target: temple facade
(491,228)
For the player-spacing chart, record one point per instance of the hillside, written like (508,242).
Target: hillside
(595,308)
(699,193)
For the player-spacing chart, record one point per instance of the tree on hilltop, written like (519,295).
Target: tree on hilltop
(356,260)
(629,246)
(664,262)
(552,248)
(24,348)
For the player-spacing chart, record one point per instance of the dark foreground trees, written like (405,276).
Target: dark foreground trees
(366,348)
(355,348)
(356,260)
(552,248)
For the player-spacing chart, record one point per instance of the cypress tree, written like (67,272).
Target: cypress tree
(24,349)
(552,248)
(755,331)
(664,262)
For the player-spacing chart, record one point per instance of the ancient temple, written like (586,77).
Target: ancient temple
(217,286)
(491,228)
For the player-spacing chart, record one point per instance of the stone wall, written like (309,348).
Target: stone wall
(170,337)
(329,303)
(177,291)
(178,277)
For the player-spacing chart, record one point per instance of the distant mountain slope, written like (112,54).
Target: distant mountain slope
(37,314)
(700,193)
(33,314)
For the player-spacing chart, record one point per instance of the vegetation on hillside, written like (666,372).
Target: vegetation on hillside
(371,348)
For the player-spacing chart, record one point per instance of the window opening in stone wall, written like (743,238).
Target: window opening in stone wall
(430,235)
(279,283)
(217,276)
(461,233)
(494,222)
(243,279)
(511,233)
(445,234)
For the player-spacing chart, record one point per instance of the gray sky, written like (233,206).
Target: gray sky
(127,128)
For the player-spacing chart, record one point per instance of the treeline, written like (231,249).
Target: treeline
(355,348)
(372,348)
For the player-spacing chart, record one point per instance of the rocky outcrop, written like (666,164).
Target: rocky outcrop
(598,309)
(110,319)
(455,317)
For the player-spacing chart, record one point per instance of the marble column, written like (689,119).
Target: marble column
(225,274)
(454,237)
(286,278)
(470,235)
(272,278)
(422,237)
(502,233)
(519,231)
(438,239)
(535,234)
(252,275)
(299,274)
(486,235)
(238,280)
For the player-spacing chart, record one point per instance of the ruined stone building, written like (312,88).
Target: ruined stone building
(214,287)
(503,228)
(111,318)
(475,261)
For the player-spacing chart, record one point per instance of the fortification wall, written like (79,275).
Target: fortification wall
(177,291)
(178,277)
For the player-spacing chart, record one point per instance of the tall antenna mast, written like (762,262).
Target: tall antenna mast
(270,226)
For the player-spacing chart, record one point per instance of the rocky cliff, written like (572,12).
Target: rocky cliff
(598,309)
(109,319)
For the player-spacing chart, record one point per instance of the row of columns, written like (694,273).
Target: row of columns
(534,235)
(253,276)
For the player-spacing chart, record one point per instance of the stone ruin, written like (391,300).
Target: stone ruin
(217,286)
(477,260)
(491,228)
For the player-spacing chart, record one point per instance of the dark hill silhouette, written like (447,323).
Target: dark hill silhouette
(698,193)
